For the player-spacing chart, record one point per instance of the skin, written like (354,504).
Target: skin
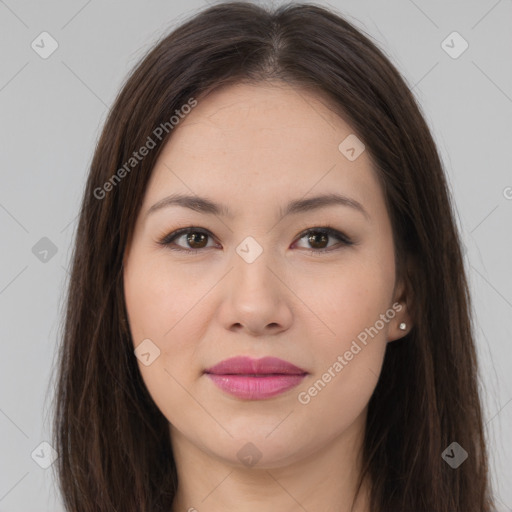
(254,148)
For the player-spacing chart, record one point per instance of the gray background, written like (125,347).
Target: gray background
(52,111)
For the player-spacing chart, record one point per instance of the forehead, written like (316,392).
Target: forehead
(265,140)
(276,113)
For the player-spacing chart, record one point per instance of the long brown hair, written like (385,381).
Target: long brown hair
(113,442)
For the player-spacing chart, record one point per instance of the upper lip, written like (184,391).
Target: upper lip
(243,365)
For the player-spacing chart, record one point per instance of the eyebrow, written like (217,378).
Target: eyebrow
(205,205)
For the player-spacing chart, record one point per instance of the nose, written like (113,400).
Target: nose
(256,297)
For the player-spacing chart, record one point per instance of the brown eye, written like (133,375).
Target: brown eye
(197,240)
(318,239)
(192,240)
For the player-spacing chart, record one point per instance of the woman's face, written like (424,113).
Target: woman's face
(263,280)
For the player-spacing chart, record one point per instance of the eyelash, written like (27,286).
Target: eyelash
(326,230)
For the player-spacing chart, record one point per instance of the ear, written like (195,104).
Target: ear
(403,302)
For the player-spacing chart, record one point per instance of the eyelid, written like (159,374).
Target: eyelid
(167,239)
(327,229)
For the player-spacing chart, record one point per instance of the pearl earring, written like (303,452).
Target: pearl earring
(403,326)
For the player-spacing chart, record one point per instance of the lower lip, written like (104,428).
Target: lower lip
(255,388)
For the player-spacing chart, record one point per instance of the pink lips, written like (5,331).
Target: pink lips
(255,379)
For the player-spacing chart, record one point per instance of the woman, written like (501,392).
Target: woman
(268,303)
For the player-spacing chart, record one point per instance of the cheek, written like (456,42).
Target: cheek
(349,299)
(354,306)
(158,298)
(157,304)
(347,364)
(165,306)
(333,401)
